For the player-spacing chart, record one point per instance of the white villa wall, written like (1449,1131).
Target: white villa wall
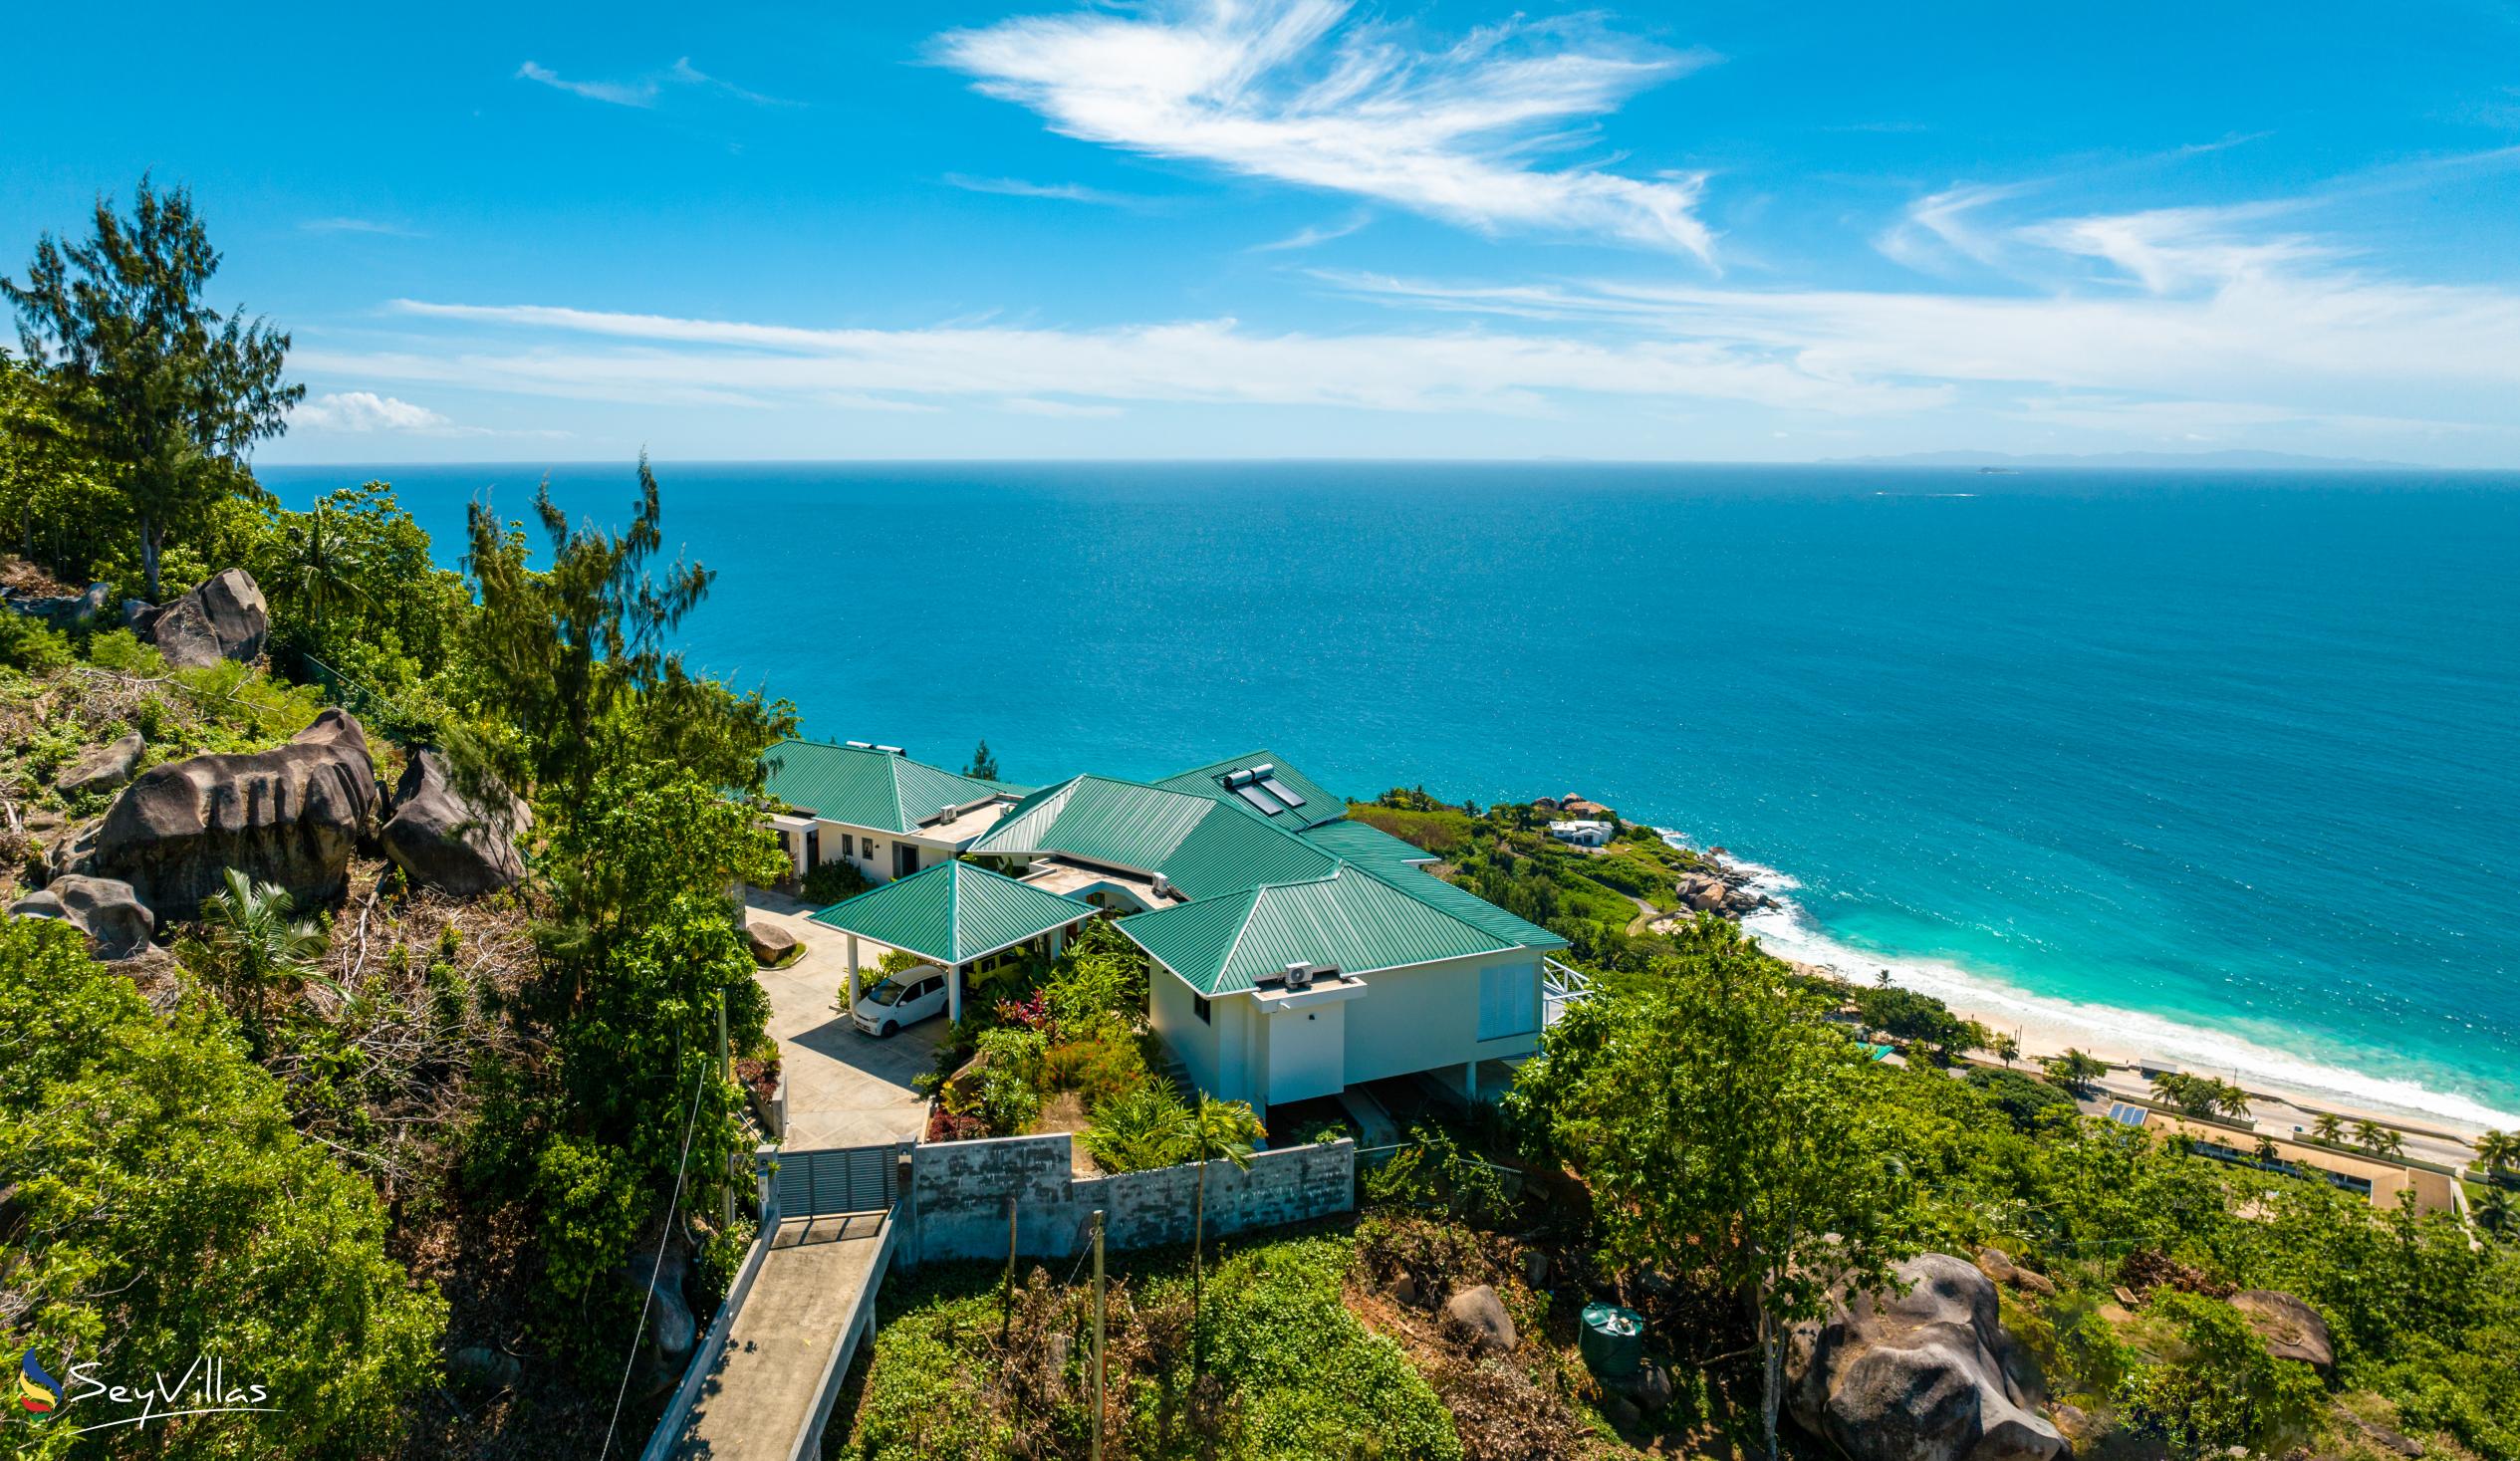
(1421,1018)
(1171,1008)
(1307,1048)
(873,855)
(1426,1018)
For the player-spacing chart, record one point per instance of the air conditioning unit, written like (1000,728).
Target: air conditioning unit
(1299,976)
(893,750)
(862,745)
(1163,886)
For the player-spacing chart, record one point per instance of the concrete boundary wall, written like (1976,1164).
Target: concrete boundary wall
(704,1354)
(955,1206)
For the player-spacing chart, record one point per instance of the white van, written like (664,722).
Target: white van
(914,995)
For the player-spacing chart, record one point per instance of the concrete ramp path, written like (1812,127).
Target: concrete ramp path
(767,1396)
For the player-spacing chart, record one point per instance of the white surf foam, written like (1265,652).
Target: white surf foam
(1789,931)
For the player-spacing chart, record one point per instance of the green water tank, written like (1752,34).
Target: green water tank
(1613,1341)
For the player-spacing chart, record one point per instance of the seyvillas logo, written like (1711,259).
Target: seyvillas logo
(38,1392)
(204,1388)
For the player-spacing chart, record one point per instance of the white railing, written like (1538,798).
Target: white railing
(1560,986)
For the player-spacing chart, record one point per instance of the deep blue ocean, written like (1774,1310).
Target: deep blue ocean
(2218,764)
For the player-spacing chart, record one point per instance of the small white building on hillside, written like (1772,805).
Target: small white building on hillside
(1584,834)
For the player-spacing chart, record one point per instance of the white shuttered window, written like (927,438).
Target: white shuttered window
(1510,1000)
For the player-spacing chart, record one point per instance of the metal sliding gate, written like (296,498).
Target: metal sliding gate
(835,1181)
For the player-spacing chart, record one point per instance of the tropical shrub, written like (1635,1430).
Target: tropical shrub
(831,882)
(26,643)
(1099,1068)
(2221,1391)
(181,1215)
(1139,1129)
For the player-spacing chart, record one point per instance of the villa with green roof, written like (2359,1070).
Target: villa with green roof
(1296,953)
(875,809)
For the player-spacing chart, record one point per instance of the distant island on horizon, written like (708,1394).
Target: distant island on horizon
(2229,458)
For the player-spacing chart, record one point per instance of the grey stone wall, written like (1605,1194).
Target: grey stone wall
(956,1203)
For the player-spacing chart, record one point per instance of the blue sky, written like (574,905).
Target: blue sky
(1299,227)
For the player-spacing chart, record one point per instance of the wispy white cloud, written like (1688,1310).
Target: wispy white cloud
(2228,326)
(1293,89)
(1034,405)
(1942,224)
(2168,306)
(618,94)
(686,74)
(363,413)
(357,225)
(1016,187)
(645,90)
(1311,234)
(365,410)
(687,361)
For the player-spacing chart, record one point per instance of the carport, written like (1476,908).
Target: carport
(954,915)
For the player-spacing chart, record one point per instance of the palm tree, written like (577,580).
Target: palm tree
(2498,1214)
(2378,1140)
(1208,1132)
(2076,1069)
(2496,1151)
(2007,1049)
(2328,1129)
(315,569)
(249,942)
(2267,1156)
(2231,1100)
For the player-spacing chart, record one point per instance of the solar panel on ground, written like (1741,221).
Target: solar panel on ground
(2125,1114)
(1280,789)
(1259,799)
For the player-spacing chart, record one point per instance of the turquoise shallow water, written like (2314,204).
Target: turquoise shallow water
(2222,763)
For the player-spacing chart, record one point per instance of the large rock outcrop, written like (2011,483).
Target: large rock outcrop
(443,839)
(290,816)
(103,768)
(2290,1329)
(225,618)
(107,911)
(1924,1375)
(1479,1316)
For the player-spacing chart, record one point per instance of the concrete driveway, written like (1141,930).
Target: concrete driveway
(844,1088)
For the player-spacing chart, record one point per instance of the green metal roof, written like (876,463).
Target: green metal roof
(1205,845)
(1352,918)
(1465,905)
(868,787)
(1320,805)
(1356,842)
(953,913)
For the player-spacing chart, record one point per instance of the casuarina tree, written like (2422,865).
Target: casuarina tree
(171,393)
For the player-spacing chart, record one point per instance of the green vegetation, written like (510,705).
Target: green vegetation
(1625,1094)
(1293,1373)
(1722,1128)
(1506,855)
(164,394)
(161,1207)
(342,1142)
(2201,1096)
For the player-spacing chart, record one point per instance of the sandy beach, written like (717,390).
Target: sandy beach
(2047,1026)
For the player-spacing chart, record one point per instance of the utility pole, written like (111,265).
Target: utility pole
(1098,1334)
